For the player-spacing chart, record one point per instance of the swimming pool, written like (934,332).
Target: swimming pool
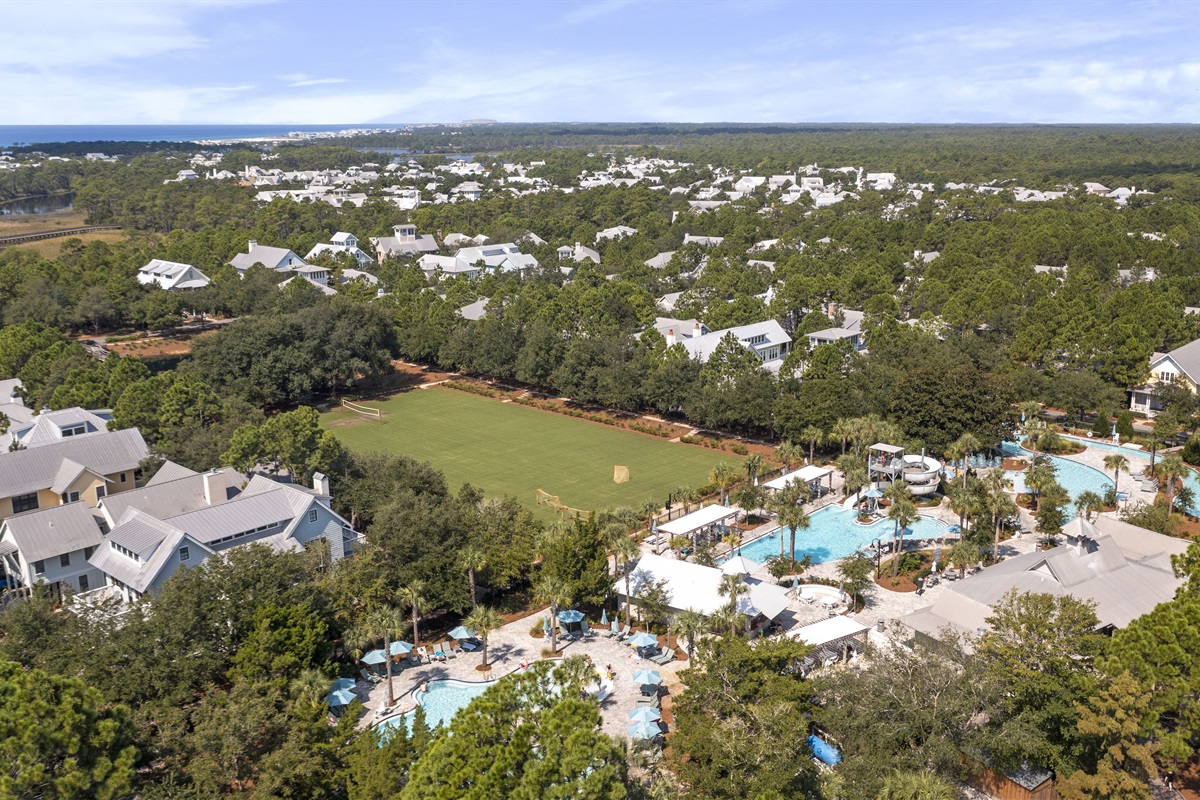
(833,534)
(441,700)
(1076,478)
(1190,479)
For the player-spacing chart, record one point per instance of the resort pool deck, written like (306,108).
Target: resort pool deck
(833,534)
(1076,478)
(1135,455)
(441,700)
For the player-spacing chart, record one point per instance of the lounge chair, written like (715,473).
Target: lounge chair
(610,633)
(452,649)
(413,659)
(369,676)
(651,700)
(665,657)
(438,653)
(623,635)
(423,655)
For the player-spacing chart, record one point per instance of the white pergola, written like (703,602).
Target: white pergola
(811,474)
(701,520)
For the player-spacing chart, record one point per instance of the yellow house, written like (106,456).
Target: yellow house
(79,469)
(1180,367)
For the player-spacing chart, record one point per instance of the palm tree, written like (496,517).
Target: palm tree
(1087,504)
(471,559)
(483,620)
(386,623)
(1170,469)
(915,785)
(961,503)
(555,593)
(733,587)
(1164,428)
(842,430)
(733,540)
(787,453)
(724,475)
(685,495)
(754,467)
(625,550)
(689,624)
(904,513)
(1118,464)
(576,671)
(998,503)
(311,686)
(748,497)
(648,511)
(854,473)
(1038,478)
(1030,409)
(785,505)
(814,436)
(967,445)
(413,596)
(962,555)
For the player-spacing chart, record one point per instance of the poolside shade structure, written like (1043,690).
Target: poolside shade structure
(400,648)
(811,474)
(343,683)
(643,639)
(570,616)
(374,657)
(698,588)
(644,730)
(647,677)
(462,632)
(835,633)
(873,494)
(645,714)
(739,565)
(703,520)
(824,751)
(340,697)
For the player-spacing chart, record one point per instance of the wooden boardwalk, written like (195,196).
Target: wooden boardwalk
(26,238)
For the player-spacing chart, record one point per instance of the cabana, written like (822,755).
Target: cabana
(811,474)
(835,634)
(704,520)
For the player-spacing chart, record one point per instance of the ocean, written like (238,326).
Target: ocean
(11,135)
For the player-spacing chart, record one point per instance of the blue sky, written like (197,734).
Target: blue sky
(151,62)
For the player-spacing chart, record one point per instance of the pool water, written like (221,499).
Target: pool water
(441,700)
(1133,454)
(833,534)
(1076,478)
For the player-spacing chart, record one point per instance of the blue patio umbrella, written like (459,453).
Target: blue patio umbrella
(645,714)
(616,625)
(343,684)
(954,529)
(643,730)
(400,648)
(647,677)
(570,616)
(340,697)
(643,639)
(462,632)
(874,494)
(604,617)
(374,657)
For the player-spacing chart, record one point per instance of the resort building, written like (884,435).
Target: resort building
(1125,570)
(1179,367)
(341,243)
(51,547)
(29,430)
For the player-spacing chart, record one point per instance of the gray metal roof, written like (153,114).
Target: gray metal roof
(170,471)
(25,471)
(243,513)
(53,531)
(1187,357)
(171,498)
(139,532)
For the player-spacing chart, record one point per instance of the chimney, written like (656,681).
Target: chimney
(250,249)
(320,484)
(211,488)
(696,331)
(670,337)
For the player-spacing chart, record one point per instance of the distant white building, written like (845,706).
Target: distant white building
(279,259)
(341,242)
(578,254)
(172,276)
(404,241)
(767,340)
(619,232)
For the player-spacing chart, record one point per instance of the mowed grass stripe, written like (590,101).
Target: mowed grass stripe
(506,448)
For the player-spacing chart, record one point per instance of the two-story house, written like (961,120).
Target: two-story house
(767,340)
(51,546)
(1180,367)
(55,426)
(172,276)
(279,259)
(341,242)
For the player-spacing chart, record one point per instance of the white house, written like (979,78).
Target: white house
(578,254)
(50,427)
(767,340)
(619,232)
(506,257)
(279,259)
(404,241)
(172,275)
(834,336)
(341,242)
(1180,367)
(51,546)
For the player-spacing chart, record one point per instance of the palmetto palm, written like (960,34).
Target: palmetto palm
(413,596)
(842,430)
(685,495)
(787,453)
(966,445)
(689,624)
(724,475)
(1170,469)
(998,503)
(913,785)
(1118,464)
(1087,504)
(472,559)
(814,435)
(733,587)
(904,513)
(555,594)
(962,555)
(1038,478)
(754,466)
(785,505)
(311,686)
(386,623)
(1030,409)
(483,620)
(625,550)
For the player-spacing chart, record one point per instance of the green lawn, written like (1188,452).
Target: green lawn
(506,448)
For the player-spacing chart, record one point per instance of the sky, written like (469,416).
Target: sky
(232,61)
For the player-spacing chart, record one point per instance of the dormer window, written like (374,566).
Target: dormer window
(74,430)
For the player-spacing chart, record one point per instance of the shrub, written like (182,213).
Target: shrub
(739,448)
(1191,450)
(1125,424)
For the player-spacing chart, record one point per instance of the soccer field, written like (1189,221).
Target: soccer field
(506,448)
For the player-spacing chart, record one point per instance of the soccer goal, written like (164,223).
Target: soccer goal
(365,411)
(542,498)
(620,474)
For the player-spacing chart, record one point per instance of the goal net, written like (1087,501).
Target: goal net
(620,474)
(542,498)
(366,411)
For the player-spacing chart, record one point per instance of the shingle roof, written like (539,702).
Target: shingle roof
(26,471)
(53,531)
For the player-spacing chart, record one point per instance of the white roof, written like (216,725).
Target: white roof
(740,565)
(828,630)
(692,586)
(807,474)
(698,519)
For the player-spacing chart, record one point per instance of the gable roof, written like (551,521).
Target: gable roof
(52,531)
(1186,357)
(25,471)
(269,257)
(698,587)
(47,427)
(702,347)
(163,499)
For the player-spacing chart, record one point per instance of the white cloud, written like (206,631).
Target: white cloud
(318,81)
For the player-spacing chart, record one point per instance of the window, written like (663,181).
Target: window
(70,497)
(87,552)
(184,554)
(74,430)
(64,560)
(123,477)
(25,502)
(83,583)
(312,515)
(101,490)
(39,567)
